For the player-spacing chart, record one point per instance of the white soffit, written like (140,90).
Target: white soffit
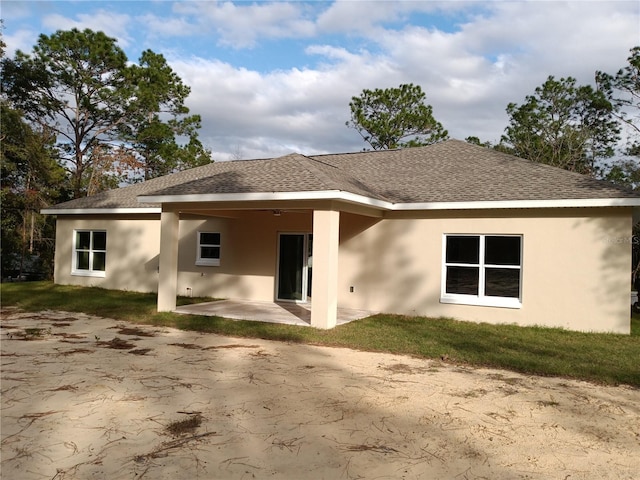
(345,197)
(372,202)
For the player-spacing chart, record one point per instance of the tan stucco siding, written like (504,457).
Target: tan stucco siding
(248,259)
(133,245)
(575,267)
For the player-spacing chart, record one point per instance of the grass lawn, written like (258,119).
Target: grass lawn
(604,358)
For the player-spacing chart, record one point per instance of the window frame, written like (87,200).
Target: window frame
(207,262)
(481,299)
(88,272)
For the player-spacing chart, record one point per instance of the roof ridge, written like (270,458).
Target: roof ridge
(313,167)
(351,178)
(450,171)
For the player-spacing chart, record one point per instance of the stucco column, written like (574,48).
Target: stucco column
(324,300)
(168,275)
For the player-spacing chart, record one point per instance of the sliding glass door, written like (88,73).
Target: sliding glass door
(294,267)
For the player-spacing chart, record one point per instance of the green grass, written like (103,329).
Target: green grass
(603,358)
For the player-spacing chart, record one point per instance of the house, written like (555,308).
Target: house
(450,229)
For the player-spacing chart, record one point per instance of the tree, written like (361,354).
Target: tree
(30,179)
(161,93)
(564,125)
(623,91)
(395,118)
(73,84)
(78,84)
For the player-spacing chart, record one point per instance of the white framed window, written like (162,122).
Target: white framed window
(482,270)
(89,253)
(208,249)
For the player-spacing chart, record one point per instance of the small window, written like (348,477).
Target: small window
(208,249)
(482,270)
(89,253)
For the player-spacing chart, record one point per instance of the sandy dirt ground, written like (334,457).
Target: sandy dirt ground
(92,398)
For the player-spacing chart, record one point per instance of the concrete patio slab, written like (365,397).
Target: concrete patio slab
(271,312)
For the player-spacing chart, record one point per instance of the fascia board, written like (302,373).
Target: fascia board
(372,202)
(506,204)
(100,211)
(345,197)
(267,196)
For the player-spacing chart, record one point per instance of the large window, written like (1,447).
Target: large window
(208,249)
(89,253)
(482,270)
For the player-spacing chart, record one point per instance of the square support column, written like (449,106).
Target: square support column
(168,275)
(324,300)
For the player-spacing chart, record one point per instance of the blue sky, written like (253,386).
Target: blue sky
(270,78)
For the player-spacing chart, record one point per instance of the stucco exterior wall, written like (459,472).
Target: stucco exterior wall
(248,258)
(133,245)
(575,268)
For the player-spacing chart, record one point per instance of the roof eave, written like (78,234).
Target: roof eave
(349,198)
(520,204)
(101,211)
(385,205)
(267,196)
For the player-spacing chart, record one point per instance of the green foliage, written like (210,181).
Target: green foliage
(501,147)
(30,179)
(623,91)
(605,358)
(109,117)
(564,125)
(74,85)
(160,93)
(473,140)
(626,173)
(395,118)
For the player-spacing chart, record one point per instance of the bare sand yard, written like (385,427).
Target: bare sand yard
(92,398)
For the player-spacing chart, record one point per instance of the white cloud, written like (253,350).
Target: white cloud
(15,10)
(469,77)
(114,24)
(570,38)
(497,53)
(367,17)
(354,16)
(243,25)
(20,40)
(162,27)
(275,113)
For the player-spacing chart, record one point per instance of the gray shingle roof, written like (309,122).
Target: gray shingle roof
(456,171)
(451,171)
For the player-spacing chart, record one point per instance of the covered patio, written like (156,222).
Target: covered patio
(322,221)
(286,313)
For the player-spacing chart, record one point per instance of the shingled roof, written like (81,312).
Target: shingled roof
(451,171)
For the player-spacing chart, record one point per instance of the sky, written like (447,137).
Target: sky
(271,78)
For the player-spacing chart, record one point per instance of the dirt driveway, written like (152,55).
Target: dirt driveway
(92,398)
